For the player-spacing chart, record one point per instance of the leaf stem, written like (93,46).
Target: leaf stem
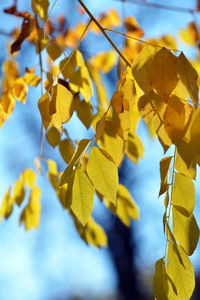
(76,47)
(104,33)
(170,205)
(141,41)
(42,84)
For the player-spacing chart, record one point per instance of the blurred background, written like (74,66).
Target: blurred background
(54,263)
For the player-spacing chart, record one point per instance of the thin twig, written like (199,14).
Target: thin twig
(50,14)
(42,83)
(141,41)
(104,33)
(162,6)
(75,48)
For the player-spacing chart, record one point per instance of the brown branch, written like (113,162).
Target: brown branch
(162,6)
(104,33)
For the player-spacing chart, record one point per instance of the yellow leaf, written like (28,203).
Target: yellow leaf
(68,65)
(66,149)
(176,118)
(62,104)
(161,282)
(31,213)
(182,167)
(53,136)
(103,174)
(162,73)
(80,82)
(100,126)
(186,231)
(117,101)
(132,27)
(127,87)
(31,79)
(104,61)
(183,195)
(95,234)
(41,6)
(54,50)
(190,34)
(82,196)
(134,148)
(19,192)
(20,89)
(7,205)
(140,67)
(92,233)
(75,160)
(148,105)
(188,76)
(43,105)
(53,173)
(29,177)
(84,111)
(164,174)
(181,275)
(160,129)
(112,143)
(125,207)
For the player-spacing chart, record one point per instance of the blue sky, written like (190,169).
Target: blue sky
(54,258)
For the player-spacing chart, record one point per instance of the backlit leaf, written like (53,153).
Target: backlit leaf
(149,104)
(183,195)
(104,61)
(54,50)
(140,67)
(186,231)
(188,76)
(134,148)
(80,82)
(100,126)
(29,177)
(62,105)
(165,164)
(181,275)
(43,105)
(75,160)
(53,136)
(66,149)
(103,174)
(18,192)
(31,213)
(176,118)
(82,196)
(162,73)
(160,281)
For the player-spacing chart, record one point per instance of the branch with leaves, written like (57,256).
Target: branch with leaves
(154,84)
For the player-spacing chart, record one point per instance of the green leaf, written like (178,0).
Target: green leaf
(82,196)
(181,275)
(186,231)
(103,174)
(183,195)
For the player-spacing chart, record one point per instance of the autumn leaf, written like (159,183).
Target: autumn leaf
(103,174)
(60,106)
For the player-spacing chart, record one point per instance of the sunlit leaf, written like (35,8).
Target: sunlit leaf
(176,118)
(61,104)
(181,275)
(29,177)
(53,136)
(140,67)
(82,196)
(103,174)
(54,50)
(183,195)
(66,149)
(31,213)
(75,160)
(188,76)
(43,105)
(164,174)
(148,105)
(186,231)
(162,73)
